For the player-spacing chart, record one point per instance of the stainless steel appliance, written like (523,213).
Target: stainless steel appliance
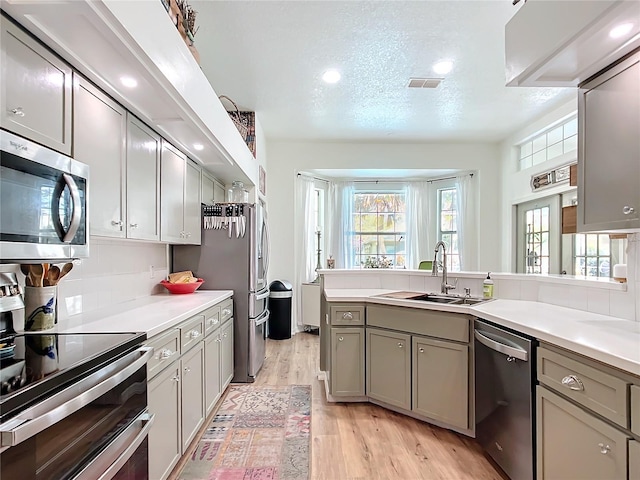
(505,378)
(74,406)
(234,255)
(43,202)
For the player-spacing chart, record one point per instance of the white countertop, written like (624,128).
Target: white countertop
(151,315)
(610,340)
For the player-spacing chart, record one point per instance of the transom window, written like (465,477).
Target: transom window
(379,229)
(447,226)
(550,144)
(592,255)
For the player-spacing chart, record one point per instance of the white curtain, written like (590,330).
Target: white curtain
(341,223)
(304,241)
(418,216)
(466,221)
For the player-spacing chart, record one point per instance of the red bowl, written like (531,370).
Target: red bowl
(182,287)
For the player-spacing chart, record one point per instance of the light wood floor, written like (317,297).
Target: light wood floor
(363,441)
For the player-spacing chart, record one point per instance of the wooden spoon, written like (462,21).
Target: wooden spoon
(36,271)
(53,275)
(65,269)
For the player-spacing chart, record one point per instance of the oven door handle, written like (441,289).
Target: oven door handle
(59,406)
(508,350)
(106,465)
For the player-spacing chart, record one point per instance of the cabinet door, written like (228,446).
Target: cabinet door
(572,443)
(609,120)
(226,353)
(143,181)
(207,188)
(212,370)
(172,171)
(219,193)
(347,361)
(441,381)
(192,209)
(192,370)
(634,460)
(164,436)
(99,133)
(389,367)
(35,90)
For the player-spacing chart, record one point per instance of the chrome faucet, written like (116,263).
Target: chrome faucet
(444,286)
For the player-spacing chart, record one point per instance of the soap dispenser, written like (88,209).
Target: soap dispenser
(487,286)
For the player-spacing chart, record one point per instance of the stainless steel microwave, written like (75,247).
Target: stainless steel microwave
(43,203)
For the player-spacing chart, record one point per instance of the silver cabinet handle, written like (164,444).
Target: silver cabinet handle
(181,234)
(604,449)
(400,345)
(194,334)
(218,339)
(213,321)
(627,210)
(226,311)
(347,316)
(116,224)
(133,225)
(165,353)
(224,334)
(573,383)
(340,339)
(188,234)
(17,112)
(175,378)
(187,369)
(421,350)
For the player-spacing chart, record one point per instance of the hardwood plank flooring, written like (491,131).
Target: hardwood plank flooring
(352,441)
(362,441)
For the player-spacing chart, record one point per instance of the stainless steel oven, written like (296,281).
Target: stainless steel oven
(43,202)
(75,407)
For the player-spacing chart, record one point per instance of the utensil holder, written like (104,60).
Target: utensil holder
(40,308)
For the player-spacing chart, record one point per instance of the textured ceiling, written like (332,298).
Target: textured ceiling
(269,56)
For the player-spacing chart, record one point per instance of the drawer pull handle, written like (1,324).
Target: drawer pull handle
(347,316)
(116,224)
(175,378)
(627,210)
(165,353)
(18,112)
(604,449)
(340,339)
(194,334)
(400,345)
(572,382)
(421,350)
(226,311)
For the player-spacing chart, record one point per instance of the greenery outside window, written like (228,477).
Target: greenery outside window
(592,255)
(447,226)
(379,230)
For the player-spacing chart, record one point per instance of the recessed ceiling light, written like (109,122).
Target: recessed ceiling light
(331,76)
(198,146)
(129,82)
(620,30)
(443,67)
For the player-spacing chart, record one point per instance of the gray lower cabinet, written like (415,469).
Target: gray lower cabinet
(635,409)
(164,399)
(35,88)
(388,356)
(634,460)
(347,361)
(192,412)
(573,444)
(212,370)
(441,381)
(226,352)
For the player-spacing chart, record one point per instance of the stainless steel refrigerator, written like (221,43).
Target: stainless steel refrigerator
(234,255)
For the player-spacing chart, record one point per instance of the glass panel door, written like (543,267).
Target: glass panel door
(538,234)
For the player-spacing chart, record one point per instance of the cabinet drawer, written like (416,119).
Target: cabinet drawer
(595,389)
(347,314)
(166,349)
(226,309)
(446,325)
(635,410)
(191,332)
(211,319)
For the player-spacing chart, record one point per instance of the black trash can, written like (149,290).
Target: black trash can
(281,293)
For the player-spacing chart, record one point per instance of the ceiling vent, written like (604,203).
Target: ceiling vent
(424,82)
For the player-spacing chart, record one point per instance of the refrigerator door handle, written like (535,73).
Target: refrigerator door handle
(265,252)
(263,319)
(262,296)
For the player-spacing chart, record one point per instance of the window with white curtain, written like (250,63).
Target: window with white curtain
(447,226)
(318,221)
(379,229)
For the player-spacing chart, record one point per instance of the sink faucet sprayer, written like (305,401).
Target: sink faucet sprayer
(444,286)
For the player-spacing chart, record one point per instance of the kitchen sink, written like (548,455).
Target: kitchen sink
(436,298)
(428,297)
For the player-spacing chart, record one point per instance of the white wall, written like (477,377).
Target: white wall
(286,159)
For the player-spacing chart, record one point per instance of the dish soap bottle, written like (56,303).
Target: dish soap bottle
(487,287)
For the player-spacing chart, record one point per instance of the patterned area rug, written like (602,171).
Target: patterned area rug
(259,433)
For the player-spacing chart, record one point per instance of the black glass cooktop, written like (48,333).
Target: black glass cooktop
(34,365)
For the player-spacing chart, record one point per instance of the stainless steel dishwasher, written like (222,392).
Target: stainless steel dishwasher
(505,377)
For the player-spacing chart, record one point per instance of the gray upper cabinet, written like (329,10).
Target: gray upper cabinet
(388,356)
(218,192)
(441,381)
(572,443)
(347,361)
(99,133)
(179,197)
(35,90)
(608,152)
(208,184)
(143,181)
